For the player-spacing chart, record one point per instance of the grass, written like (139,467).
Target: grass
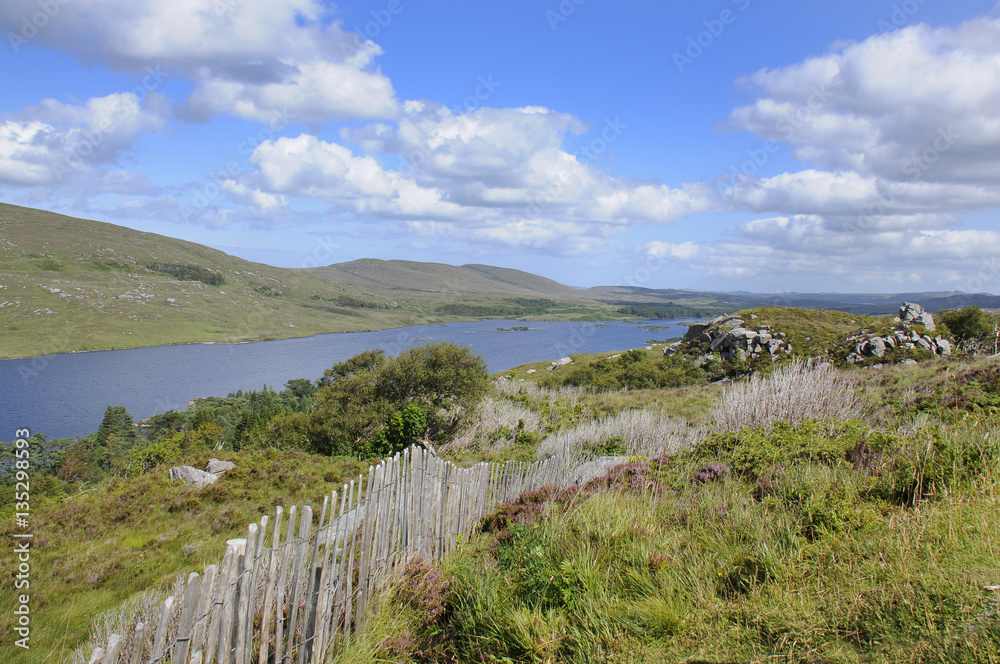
(812,332)
(665,562)
(94,551)
(793,392)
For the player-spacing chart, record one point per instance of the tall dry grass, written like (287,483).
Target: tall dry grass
(795,392)
(636,432)
(142,608)
(494,426)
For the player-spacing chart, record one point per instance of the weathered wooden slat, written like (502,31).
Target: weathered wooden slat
(272,581)
(308,614)
(111,653)
(227,617)
(371,512)
(348,572)
(282,592)
(320,619)
(182,643)
(244,590)
(301,544)
(161,631)
(203,612)
(218,599)
(138,643)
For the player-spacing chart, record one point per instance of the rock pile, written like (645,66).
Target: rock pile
(914,314)
(910,314)
(875,346)
(199,479)
(727,336)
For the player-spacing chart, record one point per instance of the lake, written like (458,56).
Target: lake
(66,395)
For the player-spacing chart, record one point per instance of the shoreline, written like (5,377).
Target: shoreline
(309,336)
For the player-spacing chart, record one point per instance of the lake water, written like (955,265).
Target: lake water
(66,395)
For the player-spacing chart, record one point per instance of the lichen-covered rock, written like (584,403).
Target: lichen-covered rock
(192,476)
(217,467)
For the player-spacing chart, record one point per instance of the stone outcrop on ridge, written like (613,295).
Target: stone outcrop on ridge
(732,339)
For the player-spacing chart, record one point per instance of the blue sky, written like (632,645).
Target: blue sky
(725,145)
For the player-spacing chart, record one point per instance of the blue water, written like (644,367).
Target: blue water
(66,395)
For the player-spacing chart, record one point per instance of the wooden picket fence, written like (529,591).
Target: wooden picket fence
(293,597)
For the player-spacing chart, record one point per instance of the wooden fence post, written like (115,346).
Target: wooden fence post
(272,570)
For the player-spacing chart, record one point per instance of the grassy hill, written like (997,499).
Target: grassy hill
(70,284)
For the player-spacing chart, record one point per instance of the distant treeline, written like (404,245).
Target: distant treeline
(669,311)
(183,272)
(350,302)
(510,308)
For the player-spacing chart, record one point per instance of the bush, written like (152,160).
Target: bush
(967,324)
(430,388)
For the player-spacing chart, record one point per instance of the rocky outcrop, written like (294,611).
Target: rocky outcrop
(911,314)
(731,339)
(561,362)
(200,479)
(217,467)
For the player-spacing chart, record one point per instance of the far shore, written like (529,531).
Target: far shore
(221,342)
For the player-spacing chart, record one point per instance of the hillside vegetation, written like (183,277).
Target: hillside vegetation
(71,284)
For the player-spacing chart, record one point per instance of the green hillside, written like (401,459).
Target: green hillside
(70,284)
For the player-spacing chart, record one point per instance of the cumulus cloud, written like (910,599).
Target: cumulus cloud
(912,251)
(917,104)
(499,175)
(903,137)
(47,143)
(255,59)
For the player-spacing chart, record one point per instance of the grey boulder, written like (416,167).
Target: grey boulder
(192,476)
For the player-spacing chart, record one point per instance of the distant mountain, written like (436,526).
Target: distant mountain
(438,279)
(70,284)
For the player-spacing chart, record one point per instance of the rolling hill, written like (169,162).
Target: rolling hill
(69,284)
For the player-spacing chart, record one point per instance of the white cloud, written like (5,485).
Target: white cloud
(52,141)
(501,176)
(915,104)
(915,252)
(255,59)
(257,201)
(308,166)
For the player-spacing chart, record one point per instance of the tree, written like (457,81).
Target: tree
(117,422)
(360,398)
(969,324)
